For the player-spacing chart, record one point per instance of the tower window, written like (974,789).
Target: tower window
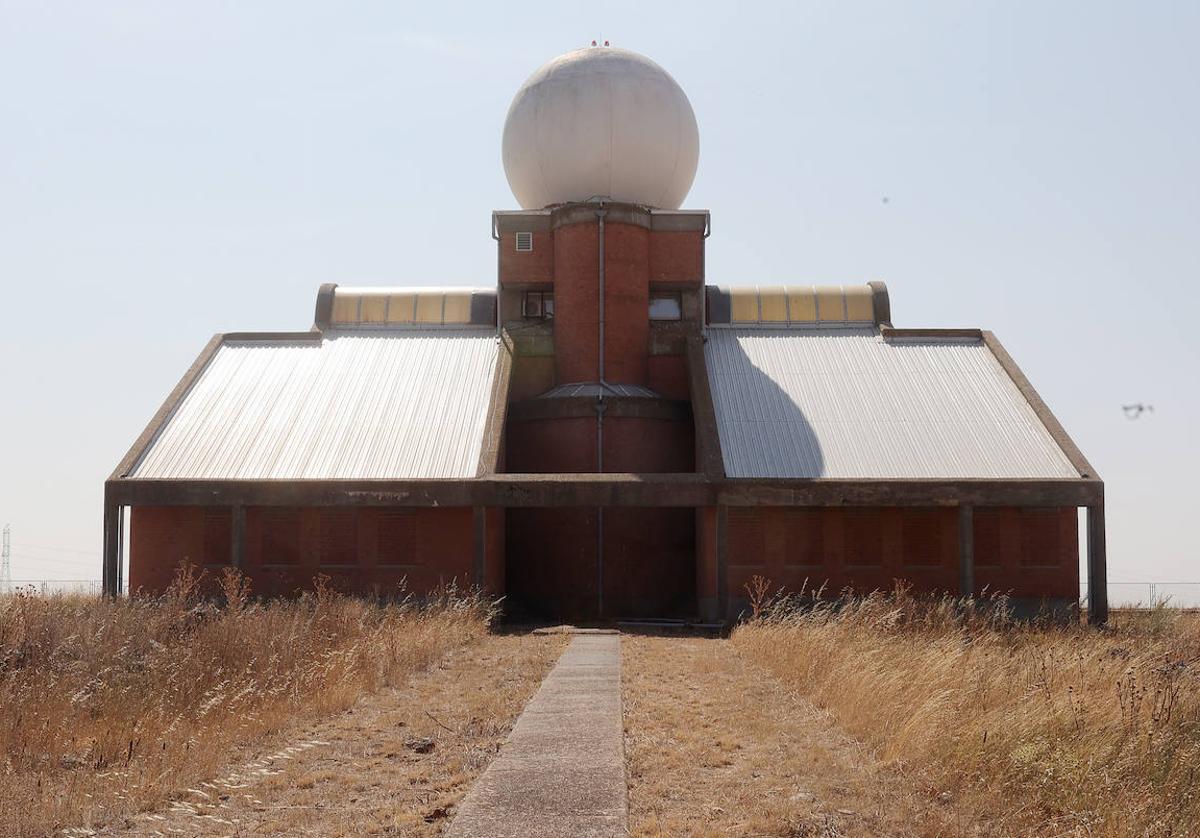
(538,305)
(666,306)
(524,242)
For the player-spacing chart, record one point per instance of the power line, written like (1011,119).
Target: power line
(51,557)
(52,562)
(24,545)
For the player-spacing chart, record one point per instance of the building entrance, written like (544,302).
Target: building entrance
(557,566)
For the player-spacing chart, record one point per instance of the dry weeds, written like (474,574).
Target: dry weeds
(716,747)
(1037,729)
(397,763)
(110,705)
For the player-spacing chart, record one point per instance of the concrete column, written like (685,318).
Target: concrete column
(480,565)
(966,549)
(723,563)
(113,520)
(1097,566)
(237,550)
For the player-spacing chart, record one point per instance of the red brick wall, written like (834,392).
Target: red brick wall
(1027,552)
(527,266)
(285,549)
(627,303)
(671,257)
(543,446)
(632,444)
(160,538)
(668,376)
(676,257)
(577,302)
(650,446)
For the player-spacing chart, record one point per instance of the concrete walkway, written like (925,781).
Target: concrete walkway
(562,771)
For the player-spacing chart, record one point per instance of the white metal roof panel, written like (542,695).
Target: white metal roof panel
(355,405)
(845,403)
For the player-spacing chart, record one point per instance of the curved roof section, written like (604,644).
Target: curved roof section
(849,403)
(351,405)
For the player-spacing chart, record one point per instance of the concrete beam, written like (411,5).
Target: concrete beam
(493,437)
(607,489)
(708,441)
(1097,566)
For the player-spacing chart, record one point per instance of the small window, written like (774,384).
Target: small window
(524,242)
(665,307)
(538,305)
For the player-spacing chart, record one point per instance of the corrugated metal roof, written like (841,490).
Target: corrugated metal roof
(365,405)
(845,403)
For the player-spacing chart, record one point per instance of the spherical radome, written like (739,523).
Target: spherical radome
(601,122)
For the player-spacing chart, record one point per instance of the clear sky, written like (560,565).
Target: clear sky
(170,170)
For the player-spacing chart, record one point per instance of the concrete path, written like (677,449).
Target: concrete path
(562,770)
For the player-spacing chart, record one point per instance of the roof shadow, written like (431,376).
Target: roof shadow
(764,433)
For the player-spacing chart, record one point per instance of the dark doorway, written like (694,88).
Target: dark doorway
(553,572)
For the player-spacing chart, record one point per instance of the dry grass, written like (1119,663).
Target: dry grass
(716,747)
(110,705)
(1037,729)
(397,763)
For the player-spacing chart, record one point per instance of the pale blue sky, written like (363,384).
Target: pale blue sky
(170,170)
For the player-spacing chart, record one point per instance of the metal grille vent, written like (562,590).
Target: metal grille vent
(524,242)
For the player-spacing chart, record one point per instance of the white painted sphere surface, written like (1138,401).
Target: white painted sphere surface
(601,122)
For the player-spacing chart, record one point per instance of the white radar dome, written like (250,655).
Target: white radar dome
(601,122)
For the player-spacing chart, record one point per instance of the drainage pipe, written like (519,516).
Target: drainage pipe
(496,237)
(704,276)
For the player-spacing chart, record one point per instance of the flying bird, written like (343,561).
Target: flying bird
(1133,411)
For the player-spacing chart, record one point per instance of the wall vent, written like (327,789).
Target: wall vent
(524,242)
